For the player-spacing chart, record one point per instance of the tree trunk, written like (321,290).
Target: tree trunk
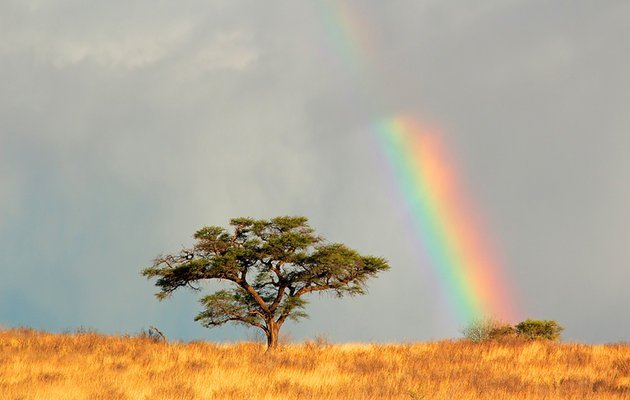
(272,335)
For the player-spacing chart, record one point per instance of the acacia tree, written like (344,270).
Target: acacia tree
(270,266)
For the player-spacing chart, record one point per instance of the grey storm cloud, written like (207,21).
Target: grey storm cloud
(125,126)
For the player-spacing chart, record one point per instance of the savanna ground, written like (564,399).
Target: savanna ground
(39,365)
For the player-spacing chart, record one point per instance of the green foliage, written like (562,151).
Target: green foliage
(539,329)
(271,264)
(477,331)
(502,331)
(488,329)
(491,329)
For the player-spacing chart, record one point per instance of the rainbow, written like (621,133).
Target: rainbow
(441,215)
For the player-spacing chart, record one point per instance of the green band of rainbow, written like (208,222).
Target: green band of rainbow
(445,227)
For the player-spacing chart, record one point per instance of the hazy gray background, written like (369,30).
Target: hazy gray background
(125,126)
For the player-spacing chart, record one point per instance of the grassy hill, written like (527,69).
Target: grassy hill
(39,365)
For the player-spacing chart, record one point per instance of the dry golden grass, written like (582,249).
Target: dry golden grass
(37,365)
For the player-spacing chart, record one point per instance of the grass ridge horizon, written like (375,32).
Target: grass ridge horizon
(88,365)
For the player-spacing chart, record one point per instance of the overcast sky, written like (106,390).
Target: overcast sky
(127,125)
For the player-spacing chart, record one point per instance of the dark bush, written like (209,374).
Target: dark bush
(502,331)
(539,329)
(153,334)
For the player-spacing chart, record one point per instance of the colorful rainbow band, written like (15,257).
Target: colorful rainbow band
(447,231)
(445,227)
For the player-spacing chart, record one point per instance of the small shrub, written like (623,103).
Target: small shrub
(319,343)
(153,334)
(478,330)
(285,339)
(502,331)
(488,329)
(539,329)
(85,330)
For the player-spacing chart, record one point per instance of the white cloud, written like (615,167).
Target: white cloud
(130,51)
(122,51)
(230,50)
(227,51)
(123,38)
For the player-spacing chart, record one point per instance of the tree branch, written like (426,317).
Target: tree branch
(317,288)
(261,302)
(278,298)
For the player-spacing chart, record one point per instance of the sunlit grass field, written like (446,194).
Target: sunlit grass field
(38,365)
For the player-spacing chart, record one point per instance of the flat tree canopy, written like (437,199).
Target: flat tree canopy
(272,264)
